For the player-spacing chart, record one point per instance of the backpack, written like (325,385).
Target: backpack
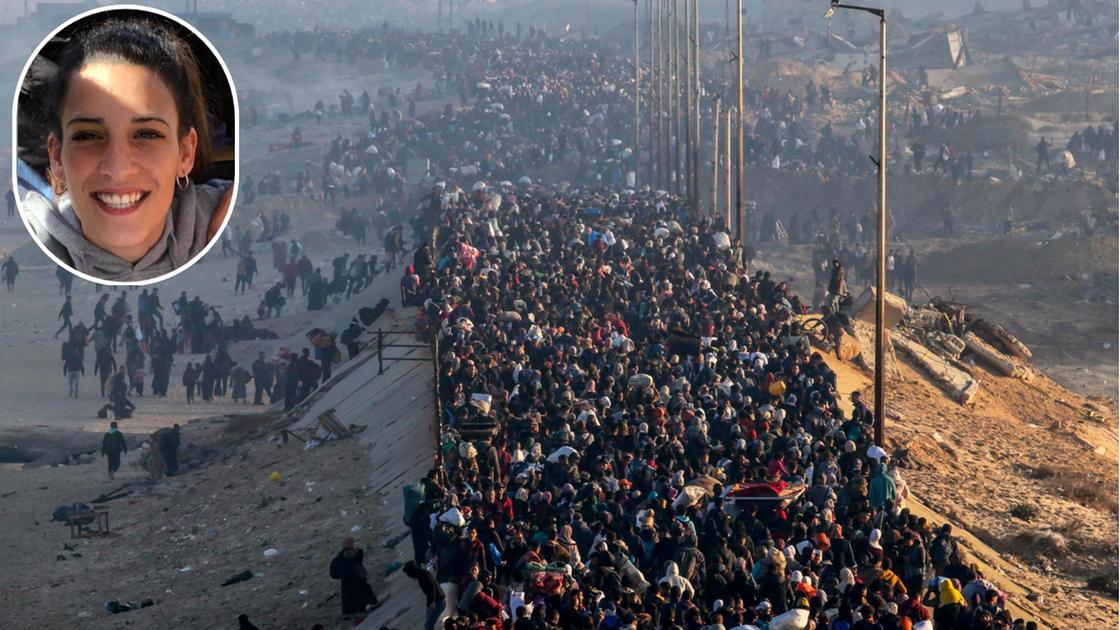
(940,550)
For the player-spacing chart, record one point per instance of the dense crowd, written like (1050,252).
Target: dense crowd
(610,379)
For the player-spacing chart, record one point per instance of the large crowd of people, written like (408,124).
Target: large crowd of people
(612,382)
(634,433)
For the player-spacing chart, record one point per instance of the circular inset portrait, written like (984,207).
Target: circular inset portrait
(125,140)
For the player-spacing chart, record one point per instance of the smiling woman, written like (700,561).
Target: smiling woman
(128,137)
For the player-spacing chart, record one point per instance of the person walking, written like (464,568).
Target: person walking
(347,567)
(104,365)
(73,367)
(1043,149)
(433,594)
(10,269)
(190,381)
(112,445)
(64,314)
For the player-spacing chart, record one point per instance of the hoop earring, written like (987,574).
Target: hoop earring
(186,182)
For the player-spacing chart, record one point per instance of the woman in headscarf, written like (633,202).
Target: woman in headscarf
(948,603)
(882,491)
(569,544)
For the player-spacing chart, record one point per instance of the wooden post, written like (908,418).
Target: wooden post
(380,346)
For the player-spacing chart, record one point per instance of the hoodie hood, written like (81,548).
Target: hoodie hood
(184,234)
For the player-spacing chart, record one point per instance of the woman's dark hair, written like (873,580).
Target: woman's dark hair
(145,42)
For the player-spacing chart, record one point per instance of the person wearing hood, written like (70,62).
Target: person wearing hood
(347,567)
(673,578)
(882,490)
(129,133)
(112,445)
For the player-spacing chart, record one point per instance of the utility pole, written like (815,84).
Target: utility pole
(715,158)
(652,111)
(727,205)
(880,288)
(740,162)
(881,266)
(697,90)
(637,98)
(439,18)
(660,101)
(688,111)
(674,101)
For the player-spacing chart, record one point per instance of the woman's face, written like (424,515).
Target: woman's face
(120,154)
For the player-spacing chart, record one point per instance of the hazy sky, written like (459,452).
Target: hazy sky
(12,9)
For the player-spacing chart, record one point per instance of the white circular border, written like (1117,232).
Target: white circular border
(236,144)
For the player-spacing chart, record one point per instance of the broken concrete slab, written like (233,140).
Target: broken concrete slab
(1001,338)
(960,386)
(863,308)
(996,360)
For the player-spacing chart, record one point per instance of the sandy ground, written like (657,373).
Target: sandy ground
(970,466)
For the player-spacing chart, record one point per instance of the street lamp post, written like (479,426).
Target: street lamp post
(637,98)
(881,164)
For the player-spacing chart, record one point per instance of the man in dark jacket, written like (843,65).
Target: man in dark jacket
(433,594)
(836,285)
(169,448)
(112,445)
(72,366)
(357,595)
(263,372)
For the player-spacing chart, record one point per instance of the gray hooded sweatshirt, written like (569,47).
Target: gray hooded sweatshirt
(183,238)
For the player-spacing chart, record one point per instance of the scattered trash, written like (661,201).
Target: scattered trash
(268,553)
(113,606)
(1024,286)
(275,476)
(240,577)
(186,570)
(1106,345)
(392,567)
(84,614)
(355,529)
